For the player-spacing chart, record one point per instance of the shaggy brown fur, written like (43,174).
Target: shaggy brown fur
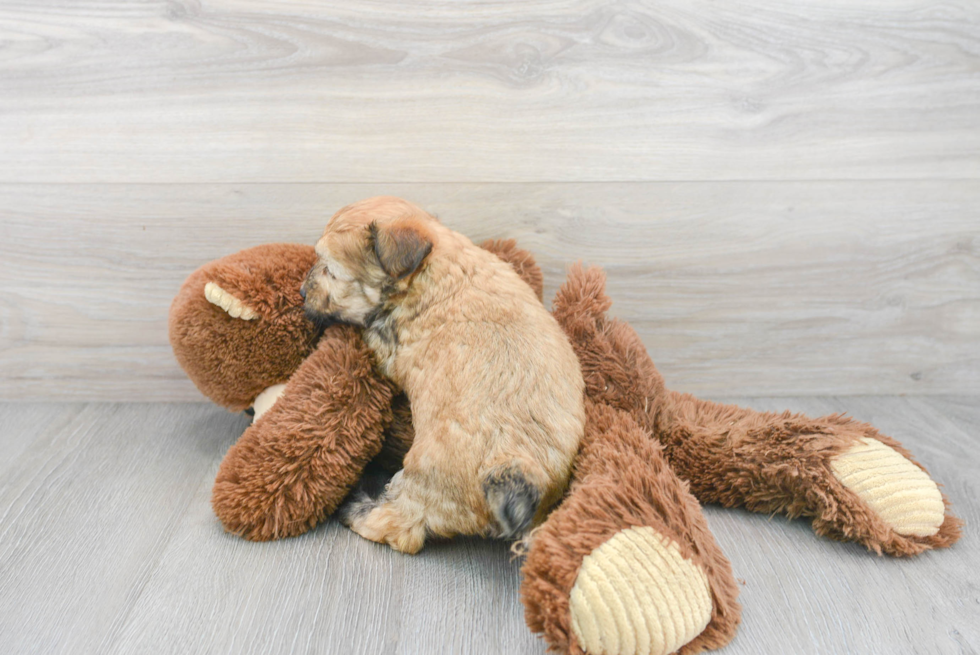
(621,480)
(287,472)
(764,461)
(642,443)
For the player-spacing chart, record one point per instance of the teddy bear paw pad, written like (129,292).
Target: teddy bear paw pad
(901,493)
(636,594)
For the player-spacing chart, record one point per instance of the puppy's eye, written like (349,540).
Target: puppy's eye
(327,272)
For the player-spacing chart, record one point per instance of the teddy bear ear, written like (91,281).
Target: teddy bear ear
(582,298)
(400,245)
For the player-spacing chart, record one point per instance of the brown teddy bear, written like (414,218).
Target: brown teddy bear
(626,563)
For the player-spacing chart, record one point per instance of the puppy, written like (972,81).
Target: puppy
(495,387)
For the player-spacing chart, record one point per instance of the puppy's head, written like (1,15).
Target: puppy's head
(367,256)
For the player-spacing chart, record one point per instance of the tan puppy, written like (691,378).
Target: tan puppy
(495,388)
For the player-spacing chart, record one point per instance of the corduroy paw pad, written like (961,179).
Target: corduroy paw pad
(636,594)
(901,493)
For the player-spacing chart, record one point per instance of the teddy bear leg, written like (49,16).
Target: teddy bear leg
(294,465)
(627,564)
(855,483)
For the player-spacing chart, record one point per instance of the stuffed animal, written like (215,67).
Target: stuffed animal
(626,562)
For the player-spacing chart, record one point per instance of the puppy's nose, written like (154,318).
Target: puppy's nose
(302,293)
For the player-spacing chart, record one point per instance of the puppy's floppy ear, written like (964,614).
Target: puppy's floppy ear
(401,246)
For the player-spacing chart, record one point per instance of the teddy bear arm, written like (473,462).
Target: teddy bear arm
(627,563)
(294,465)
(855,483)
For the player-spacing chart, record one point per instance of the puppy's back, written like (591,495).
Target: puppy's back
(494,378)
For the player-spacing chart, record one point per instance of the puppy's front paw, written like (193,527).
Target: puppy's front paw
(385,525)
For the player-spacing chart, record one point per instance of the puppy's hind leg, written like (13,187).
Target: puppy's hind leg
(394,518)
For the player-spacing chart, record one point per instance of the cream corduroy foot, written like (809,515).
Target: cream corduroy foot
(896,489)
(635,594)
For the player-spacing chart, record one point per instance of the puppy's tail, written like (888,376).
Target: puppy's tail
(512,498)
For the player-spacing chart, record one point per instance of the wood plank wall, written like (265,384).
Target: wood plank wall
(786,196)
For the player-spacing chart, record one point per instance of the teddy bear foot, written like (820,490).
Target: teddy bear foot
(898,491)
(635,594)
(627,565)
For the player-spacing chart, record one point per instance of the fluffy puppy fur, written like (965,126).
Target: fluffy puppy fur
(495,387)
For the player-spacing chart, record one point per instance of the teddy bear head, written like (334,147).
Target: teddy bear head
(237,325)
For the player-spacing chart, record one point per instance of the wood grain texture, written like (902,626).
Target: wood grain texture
(771,288)
(86,510)
(479,91)
(108,545)
(26,424)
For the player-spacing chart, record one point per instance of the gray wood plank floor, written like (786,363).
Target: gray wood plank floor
(108,545)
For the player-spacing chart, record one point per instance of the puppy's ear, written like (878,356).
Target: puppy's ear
(401,246)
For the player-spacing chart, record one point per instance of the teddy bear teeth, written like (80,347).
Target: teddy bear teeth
(235,307)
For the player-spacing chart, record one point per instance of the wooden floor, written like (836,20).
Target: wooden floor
(108,545)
